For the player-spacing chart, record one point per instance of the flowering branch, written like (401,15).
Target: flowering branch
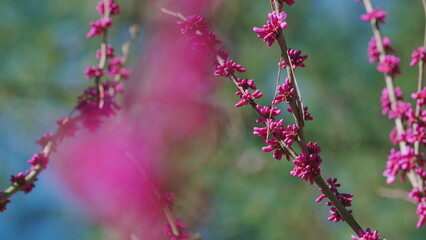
(409,124)
(94,103)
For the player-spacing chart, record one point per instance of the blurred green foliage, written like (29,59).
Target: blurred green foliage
(43,52)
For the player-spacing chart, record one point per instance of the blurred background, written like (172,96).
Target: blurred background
(225,186)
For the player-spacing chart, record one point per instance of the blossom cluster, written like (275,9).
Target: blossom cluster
(344,198)
(368,235)
(410,121)
(96,102)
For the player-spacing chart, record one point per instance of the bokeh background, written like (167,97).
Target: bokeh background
(225,186)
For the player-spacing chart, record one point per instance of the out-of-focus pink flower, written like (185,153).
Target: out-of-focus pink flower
(377,13)
(417,55)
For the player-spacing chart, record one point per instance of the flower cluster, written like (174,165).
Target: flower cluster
(344,198)
(270,31)
(177,232)
(195,28)
(296,59)
(417,55)
(368,235)
(308,165)
(377,14)
(22,183)
(389,65)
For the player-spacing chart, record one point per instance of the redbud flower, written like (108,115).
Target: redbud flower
(344,198)
(93,72)
(420,97)
(285,92)
(373,51)
(268,112)
(193,24)
(389,65)
(416,195)
(296,59)
(306,115)
(307,165)
(180,227)
(368,235)
(270,31)
(377,13)
(290,134)
(197,30)
(417,55)
(67,128)
(247,97)
(47,137)
(98,27)
(401,108)
(21,182)
(421,211)
(113,7)
(246,83)
(275,146)
(38,159)
(228,68)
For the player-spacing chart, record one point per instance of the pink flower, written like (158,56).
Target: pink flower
(246,83)
(421,211)
(290,134)
(247,97)
(89,104)
(389,65)
(113,7)
(368,235)
(98,27)
(180,226)
(22,182)
(373,51)
(401,108)
(296,59)
(417,55)
(344,198)
(285,93)
(66,128)
(306,115)
(308,165)
(197,30)
(228,68)
(271,127)
(44,140)
(40,160)
(377,14)
(399,161)
(93,72)
(270,31)
(420,97)
(268,112)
